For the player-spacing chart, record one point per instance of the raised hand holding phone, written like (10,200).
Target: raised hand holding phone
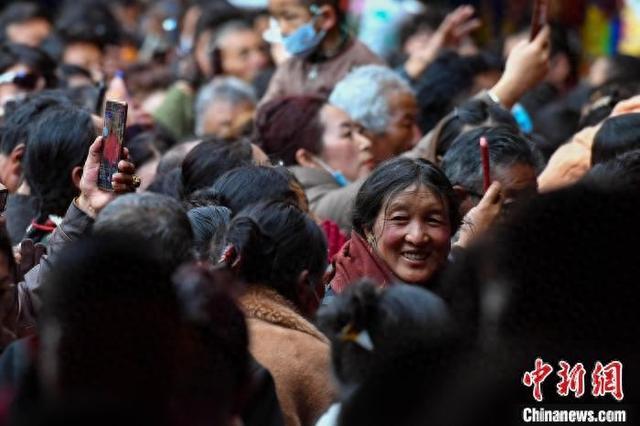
(92,199)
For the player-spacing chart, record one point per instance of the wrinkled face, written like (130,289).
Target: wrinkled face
(519,183)
(290,14)
(243,55)
(31,32)
(87,56)
(226,119)
(344,147)
(412,234)
(401,133)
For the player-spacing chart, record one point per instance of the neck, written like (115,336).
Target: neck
(332,43)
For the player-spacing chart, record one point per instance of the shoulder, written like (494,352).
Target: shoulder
(362,55)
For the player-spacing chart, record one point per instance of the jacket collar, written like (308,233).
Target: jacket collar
(263,303)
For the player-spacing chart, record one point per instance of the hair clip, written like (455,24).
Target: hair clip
(362,338)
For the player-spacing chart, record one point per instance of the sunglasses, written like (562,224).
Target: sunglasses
(24,80)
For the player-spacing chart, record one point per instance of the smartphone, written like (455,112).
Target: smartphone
(539,18)
(4,193)
(486,167)
(115,121)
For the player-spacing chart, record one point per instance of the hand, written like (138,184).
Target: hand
(527,65)
(483,216)
(93,199)
(27,256)
(456,26)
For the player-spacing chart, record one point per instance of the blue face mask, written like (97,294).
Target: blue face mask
(304,40)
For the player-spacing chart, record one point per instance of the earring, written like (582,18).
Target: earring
(371,240)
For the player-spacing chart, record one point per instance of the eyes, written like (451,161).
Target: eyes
(431,219)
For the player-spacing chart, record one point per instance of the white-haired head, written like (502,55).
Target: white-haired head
(364,94)
(222,89)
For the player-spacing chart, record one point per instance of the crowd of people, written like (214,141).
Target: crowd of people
(302,231)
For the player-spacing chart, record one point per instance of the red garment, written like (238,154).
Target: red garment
(335,237)
(356,261)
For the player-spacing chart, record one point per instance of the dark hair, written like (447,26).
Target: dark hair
(214,15)
(391,178)
(217,364)
(20,116)
(205,163)
(275,242)
(110,297)
(142,148)
(623,69)
(428,20)
(285,125)
(58,142)
(167,183)
(248,185)
(88,22)
(470,115)
(444,82)
(158,220)
(462,163)
(35,59)
(395,318)
(208,224)
(603,99)
(616,136)
(20,12)
(619,173)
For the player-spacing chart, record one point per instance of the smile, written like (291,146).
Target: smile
(415,256)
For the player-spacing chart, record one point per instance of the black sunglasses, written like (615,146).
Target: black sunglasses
(24,80)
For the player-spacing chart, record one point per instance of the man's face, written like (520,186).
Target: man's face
(290,14)
(402,131)
(243,54)
(519,183)
(31,32)
(87,56)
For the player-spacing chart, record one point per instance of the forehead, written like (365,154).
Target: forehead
(416,198)
(283,5)
(403,102)
(332,114)
(239,36)
(517,176)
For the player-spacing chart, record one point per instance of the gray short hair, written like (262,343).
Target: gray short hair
(227,89)
(156,219)
(364,95)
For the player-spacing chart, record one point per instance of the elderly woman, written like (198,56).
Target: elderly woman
(326,151)
(224,108)
(405,215)
(383,103)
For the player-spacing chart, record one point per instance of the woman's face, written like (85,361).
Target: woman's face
(412,234)
(344,147)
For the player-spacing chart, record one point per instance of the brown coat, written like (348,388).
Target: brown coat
(298,76)
(327,200)
(294,351)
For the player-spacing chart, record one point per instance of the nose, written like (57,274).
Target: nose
(362,142)
(416,233)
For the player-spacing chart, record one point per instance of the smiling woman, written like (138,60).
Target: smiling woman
(404,217)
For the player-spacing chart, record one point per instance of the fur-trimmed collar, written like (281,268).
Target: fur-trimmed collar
(266,304)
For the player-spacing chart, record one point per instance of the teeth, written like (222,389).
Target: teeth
(415,256)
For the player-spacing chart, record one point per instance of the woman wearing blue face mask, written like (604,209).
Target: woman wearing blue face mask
(322,51)
(322,147)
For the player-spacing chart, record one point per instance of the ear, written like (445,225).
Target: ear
(308,299)
(328,18)
(17,153)
(76,176)
(305,158)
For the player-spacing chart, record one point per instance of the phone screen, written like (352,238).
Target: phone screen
(115,121)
